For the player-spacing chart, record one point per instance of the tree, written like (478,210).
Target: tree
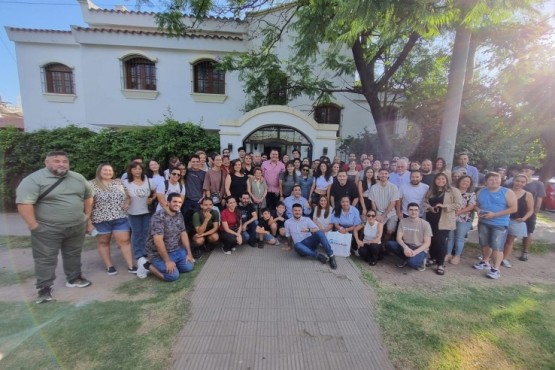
(380,35)
(473,13)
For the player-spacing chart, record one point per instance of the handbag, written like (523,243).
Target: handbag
(216,195)
(340,243)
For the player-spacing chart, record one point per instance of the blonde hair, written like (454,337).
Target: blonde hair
(98,180)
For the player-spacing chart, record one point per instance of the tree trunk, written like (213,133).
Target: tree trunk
(381,121)
(450,118)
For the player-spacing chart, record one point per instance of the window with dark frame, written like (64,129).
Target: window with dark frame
(208,79)
(59,79)
(327,113)
(140,73)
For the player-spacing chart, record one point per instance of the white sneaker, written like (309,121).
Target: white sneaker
(494,274)
(506,263)
(141,271)
(482,266)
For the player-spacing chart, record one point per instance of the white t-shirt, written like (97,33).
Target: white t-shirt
(412,194)
(172,188)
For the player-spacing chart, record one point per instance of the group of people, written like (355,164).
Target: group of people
(163,220)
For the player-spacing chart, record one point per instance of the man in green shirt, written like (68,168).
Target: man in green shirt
(56,203)
(206,223)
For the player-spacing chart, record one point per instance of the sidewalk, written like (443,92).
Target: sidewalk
(270,309)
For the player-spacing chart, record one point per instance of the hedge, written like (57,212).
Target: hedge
(24,152)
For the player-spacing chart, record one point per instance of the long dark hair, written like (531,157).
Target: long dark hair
(364,182)
(327,174)
(286,173)
(132,166)
(433,190)
(149,172)
(319,209)
(337,210)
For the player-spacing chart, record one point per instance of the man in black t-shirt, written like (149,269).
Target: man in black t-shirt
(248,219)
(341,187)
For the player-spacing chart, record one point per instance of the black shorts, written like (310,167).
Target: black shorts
(531,224)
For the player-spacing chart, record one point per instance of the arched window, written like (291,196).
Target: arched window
(207,79)
(58,79)
(139,73)
(327,113)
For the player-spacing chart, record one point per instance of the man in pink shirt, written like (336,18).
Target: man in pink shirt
(271,170)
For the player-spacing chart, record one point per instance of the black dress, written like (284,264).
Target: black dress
(438,248)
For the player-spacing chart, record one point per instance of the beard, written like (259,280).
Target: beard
(59,171)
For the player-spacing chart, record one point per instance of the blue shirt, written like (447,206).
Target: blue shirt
(293,228)
(399,180)
(349,219)
(290,201)
(493,201)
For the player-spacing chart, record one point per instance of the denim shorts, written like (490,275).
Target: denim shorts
(268,237)
(108,227)
(492,236)
(518,229)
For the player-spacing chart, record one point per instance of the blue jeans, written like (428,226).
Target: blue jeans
(492,236)
(178,256)
(250,233)
(140,225)
(308,246)
(414,262)
(456,238)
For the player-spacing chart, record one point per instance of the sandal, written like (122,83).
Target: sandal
(430,262)
(440,270)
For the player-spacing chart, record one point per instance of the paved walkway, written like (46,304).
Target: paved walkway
(270,309)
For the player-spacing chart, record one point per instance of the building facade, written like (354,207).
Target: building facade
(122,71)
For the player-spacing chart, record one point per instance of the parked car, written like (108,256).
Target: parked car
(549,201)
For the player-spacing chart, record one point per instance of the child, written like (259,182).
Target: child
(263,230)
(278,224)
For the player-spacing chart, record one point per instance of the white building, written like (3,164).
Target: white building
(121,71)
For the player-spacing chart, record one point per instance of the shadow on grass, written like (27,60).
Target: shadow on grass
(98,335)
(21,242)
(462,327)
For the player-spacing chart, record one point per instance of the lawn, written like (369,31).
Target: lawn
(122,334)
(483,326)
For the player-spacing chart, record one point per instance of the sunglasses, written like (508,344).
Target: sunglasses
(176,174)
(305,170)
(370,215)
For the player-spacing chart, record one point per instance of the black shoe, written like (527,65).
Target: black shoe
(373,263)
(45,295)
(402,264)
(196,253)
(333,262)
(260,244)
(252,243)
(322,258)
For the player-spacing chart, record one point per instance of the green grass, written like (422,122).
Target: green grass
(124,334)
(467,327)
(11,278)
(20,242)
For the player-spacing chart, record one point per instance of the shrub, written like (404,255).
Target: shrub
(24,152)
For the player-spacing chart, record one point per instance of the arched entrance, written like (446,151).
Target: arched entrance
(280,137)
(281,127)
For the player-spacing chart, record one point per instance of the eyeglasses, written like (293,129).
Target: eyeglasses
(370,215)
(305,170)
(175,174)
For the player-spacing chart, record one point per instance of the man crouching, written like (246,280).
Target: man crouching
(168,245)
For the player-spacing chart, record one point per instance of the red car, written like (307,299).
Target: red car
(549,201)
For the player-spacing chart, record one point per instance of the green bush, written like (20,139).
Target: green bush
(22,152)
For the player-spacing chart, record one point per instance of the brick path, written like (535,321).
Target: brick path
(269,309)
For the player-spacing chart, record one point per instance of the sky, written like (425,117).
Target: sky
(44,14)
